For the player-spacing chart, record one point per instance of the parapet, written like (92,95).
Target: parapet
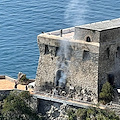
(54,38)
(103,25)
(63,31)
(90,35)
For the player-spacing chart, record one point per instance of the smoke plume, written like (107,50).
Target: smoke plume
(62,63)
(75,12)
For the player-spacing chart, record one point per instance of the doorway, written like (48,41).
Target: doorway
(111,79)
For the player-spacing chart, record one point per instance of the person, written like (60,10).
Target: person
(15,85)
(26,87)
(55,92)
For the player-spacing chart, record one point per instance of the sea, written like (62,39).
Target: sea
(22,20)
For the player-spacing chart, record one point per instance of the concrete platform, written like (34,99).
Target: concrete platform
(8,83)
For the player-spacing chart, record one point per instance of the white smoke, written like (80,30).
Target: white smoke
(62,79)
(75,12)
(62,63)
(74,15)
(64,49)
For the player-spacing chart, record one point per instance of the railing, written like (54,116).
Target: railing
(62,97)
(64,31)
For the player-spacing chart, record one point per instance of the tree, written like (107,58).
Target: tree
(25,95)
(92,113)
(24,80)
(106,93)
(81,114)
(71,114)
(15,108)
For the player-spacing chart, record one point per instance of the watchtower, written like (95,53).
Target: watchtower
(84,57)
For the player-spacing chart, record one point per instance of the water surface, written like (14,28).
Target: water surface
(22,20)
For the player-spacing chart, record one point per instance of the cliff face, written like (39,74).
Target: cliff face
(53,110)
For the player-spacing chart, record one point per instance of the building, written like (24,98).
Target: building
(82,58)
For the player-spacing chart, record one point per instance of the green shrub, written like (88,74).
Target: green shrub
(106,93)
(81,114)
(71,114)
(92,114)
(15,108)
(24,80)
(25,95)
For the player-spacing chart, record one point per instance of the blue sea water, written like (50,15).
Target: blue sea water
(22,20)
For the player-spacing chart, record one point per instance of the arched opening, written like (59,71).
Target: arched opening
(60,79)
(88,39)
(111,79)
(108,52)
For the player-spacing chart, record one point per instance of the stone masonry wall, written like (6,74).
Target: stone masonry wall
(85,61)
(109,60)
(81,72)
(82,34)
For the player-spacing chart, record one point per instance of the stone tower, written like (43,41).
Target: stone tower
(84,57)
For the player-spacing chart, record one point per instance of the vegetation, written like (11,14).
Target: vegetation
(15,107)
(25,95)
(72,114)
(106,93)
(24,80)
(92,114)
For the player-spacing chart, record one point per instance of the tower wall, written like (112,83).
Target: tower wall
(109,59)
(81,65)
(83,58)
(83,33)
